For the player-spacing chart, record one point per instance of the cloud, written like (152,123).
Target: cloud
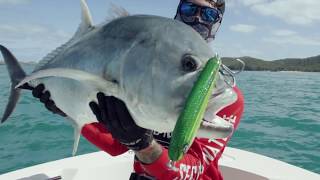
(243,28)
(30,41)
(283,32)
(297,12)
(236,50)
(21,30)
(230,3)
(252,2)
(14,2)
(26,31)
(293,40)
(251,52)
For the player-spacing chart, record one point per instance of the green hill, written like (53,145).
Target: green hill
(311,64)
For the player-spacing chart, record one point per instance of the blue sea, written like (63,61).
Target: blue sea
(281,120)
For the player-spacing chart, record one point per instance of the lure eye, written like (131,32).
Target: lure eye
(189,63)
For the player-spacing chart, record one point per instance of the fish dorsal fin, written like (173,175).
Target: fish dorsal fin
(86,15)
(85,26)
(116,12)
(86,23)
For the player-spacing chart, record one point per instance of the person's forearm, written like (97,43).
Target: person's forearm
(100,137)
(191,165)
(149,154)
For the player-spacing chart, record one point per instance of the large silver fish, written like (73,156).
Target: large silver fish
(149,62)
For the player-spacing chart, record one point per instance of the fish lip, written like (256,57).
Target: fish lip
(218,127)
(225,125)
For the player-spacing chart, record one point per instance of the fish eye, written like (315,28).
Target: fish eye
(189,63)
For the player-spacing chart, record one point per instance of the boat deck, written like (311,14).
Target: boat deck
(235,164)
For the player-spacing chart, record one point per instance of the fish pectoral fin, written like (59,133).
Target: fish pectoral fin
(216,128)
(77,75)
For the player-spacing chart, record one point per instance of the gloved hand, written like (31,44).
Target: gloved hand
(113,113)
(44,97)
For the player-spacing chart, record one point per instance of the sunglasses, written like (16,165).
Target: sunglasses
(208,14)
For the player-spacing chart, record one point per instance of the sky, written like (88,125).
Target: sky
(266,29)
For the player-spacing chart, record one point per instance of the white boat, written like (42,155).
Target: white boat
(235,165)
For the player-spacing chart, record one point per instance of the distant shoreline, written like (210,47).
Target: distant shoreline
(310,64)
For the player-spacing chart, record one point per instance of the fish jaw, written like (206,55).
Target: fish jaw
(217,128)
(212,125)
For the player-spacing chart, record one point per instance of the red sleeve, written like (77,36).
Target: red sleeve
(97,134)
(201,161)
(192,166)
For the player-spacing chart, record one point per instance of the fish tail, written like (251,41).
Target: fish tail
(16,74)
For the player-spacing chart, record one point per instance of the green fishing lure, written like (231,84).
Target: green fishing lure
(190,118)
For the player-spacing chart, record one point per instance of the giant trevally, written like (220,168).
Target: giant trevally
(149,62)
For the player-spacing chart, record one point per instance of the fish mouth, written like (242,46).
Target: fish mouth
(216,128)
(212,126)
(214,123)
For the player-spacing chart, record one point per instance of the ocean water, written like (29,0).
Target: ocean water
(281,120)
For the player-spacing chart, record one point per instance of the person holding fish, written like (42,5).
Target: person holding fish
(116,132)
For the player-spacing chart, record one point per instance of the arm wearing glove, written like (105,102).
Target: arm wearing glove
(151,157)
(114,115)
(201,160)
(97,134)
